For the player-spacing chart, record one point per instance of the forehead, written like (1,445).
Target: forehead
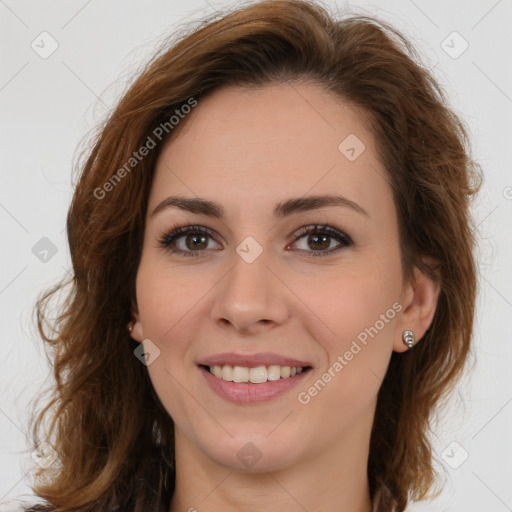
(250,147)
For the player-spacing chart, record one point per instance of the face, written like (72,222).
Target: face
(318,284)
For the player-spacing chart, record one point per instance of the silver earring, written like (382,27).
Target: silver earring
(408,339)
(130,327)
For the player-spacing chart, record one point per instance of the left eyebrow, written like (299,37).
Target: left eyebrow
(282,209)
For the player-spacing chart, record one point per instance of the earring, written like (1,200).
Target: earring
(408,339)
(130,327)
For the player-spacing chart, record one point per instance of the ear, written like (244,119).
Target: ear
(136,332)
(420,295)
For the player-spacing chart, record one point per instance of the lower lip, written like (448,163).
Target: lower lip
(241,392)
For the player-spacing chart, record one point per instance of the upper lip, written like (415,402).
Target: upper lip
(252,360)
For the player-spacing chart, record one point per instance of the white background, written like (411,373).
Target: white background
(48,105)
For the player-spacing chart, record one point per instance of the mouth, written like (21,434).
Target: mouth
(246,385)
(255,375)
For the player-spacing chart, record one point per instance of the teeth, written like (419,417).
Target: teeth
(240,374)
(285,372)
(255,375)
(224,372)
(273,372)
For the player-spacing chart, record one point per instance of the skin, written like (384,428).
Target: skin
(248,150)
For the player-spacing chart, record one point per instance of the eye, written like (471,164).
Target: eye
(320,238)
(187,240)
(194,240)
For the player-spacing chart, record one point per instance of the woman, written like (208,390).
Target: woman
(274,281)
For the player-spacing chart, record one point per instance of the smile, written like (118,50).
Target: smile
(244,385)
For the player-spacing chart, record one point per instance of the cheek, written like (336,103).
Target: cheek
(353,298)
(166,295)
(164,301)
(360,316)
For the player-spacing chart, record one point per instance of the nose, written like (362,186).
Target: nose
(251,297)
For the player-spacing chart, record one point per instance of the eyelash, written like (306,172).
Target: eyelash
(178,231)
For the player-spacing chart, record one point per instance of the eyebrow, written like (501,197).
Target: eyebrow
(281,210)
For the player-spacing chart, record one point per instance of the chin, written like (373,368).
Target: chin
(253,453)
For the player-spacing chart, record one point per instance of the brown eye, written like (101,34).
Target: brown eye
(195,241)
(319,240)
(187,240)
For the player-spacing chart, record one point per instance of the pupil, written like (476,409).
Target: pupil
(324,238)
(202,239)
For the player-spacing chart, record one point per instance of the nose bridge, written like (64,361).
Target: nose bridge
(250,292)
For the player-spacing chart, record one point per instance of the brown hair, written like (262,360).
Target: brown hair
(113,438)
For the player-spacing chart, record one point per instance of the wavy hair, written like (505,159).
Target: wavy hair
(113,439)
